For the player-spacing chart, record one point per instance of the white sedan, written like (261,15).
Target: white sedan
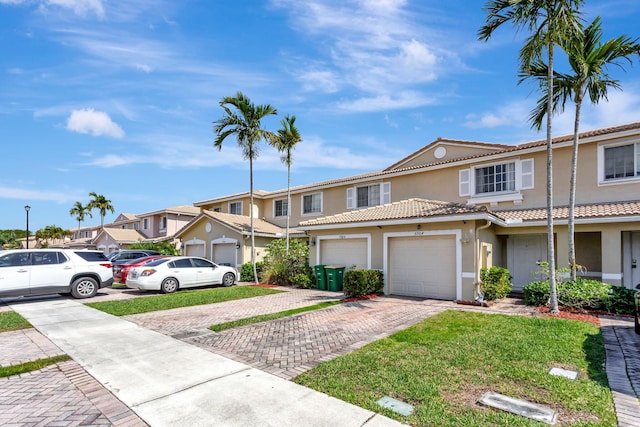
(170,274)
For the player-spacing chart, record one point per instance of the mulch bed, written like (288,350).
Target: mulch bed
(364,297)
(264,285)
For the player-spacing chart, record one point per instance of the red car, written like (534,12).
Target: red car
(121,269)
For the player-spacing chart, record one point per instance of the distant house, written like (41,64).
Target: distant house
(432,220)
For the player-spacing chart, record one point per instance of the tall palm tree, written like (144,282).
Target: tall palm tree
(102,204)
(80,211)
(548,22)
(242,119)
(285,141)
(589,59)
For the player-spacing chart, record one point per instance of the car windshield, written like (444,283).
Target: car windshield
(157,262)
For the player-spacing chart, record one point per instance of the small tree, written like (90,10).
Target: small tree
(283,268)
(164,247)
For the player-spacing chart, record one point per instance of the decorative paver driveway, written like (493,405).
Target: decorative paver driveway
(292,345)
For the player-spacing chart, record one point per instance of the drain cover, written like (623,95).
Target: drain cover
(395,405)
(519,407)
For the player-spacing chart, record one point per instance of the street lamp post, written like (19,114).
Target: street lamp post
(26,208)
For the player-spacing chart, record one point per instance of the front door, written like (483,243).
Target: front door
(635,259)
(524,252)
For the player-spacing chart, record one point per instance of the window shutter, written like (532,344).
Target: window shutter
(385,193)
(350,198)
(465,182)
(526,177)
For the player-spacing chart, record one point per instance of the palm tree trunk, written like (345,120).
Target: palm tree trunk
(572,190)
(553,297)
(288,203)
(253,238)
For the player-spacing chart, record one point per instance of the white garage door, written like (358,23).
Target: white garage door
(194,250)
(225,254)
(344,252)
(423,266)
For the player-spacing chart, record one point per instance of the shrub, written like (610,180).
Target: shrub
(303,280)
(536,293)
(246,271)
(281,267)
(164,247)
(362,282)
(620,300)
(583,293)
(495,283)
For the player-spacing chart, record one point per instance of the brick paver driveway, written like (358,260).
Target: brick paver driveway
(292,345)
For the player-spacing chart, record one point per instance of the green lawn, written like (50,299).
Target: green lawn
(272,316)
(12,321)
(444,364)
(7,371)
(179,299)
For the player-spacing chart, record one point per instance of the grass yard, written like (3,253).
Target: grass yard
(444,364)
(7,371)
(12,321)
(179,299)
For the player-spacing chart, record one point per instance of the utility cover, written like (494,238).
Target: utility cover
(572,375)
(395,405)
(519,407)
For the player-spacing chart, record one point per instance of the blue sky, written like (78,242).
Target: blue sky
(119,97)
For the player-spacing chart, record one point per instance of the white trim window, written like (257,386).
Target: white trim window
(163,223)
(217,210)
(621,162)
(145,224)
(280,208)
(136,226)
(497,182)
(312,204)
(235,208)
(365,196)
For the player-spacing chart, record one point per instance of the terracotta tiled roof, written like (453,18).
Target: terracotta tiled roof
(242,224)
(406,209)
(600,210)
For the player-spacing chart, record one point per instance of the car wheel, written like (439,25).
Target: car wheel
(169,285)
(84,287)
(228,279)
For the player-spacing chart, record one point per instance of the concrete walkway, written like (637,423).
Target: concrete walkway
(167,382)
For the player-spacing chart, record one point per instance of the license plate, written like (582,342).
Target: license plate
(133,274)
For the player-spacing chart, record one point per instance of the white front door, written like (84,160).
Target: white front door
(524,252)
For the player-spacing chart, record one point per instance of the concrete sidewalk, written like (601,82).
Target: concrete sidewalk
(167,382)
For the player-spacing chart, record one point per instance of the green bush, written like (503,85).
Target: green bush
(246,271)
(358,283)
(583,293)
(164,247)
(620,300)
(284,268)
(536,293)
(495,283)
(303,280)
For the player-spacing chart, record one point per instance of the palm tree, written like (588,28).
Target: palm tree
(102,204)
(80,211)
(242,119)
(588,58)
(549,22)
(286,139)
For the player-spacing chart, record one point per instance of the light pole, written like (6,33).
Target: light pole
(26,208)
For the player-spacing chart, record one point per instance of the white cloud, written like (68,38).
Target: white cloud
(512,114)
(96,123)
(26,194)
(386,102)
(80,7)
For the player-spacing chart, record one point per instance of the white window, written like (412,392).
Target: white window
(145,224)
(235,208)
(622,161)
(280,207)
(136,225)
(217,210)
(495,178)
(312,203)
(368,195)
(163,223)
(497,182)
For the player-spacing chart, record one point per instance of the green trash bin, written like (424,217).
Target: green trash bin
(321,277)
(335,275)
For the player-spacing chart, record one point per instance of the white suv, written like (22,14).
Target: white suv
(26,272)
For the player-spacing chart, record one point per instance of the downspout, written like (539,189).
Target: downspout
(478,294)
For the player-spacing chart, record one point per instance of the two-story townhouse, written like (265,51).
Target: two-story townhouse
(431,220)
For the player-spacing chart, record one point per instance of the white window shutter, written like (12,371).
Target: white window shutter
(350,198)
(465,182)
(385,193)
(526,177)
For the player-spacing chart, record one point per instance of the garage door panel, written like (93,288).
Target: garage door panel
(423,266)
(345,252)
(194,250)
(224,254)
